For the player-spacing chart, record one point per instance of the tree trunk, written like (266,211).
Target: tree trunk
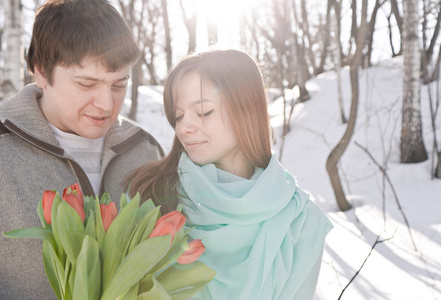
(14,73)
(371,30)
(327,38)
(438,167)
(190,23)
(212,26)
(337,152)
(412,143)
(399,19)
(136,80)
(337,63)
(167,48)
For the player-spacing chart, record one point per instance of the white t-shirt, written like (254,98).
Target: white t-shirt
(86,152)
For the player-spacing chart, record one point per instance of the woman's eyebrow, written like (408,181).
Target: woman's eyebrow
(196,102)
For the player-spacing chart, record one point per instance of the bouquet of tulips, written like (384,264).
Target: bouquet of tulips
(92,252)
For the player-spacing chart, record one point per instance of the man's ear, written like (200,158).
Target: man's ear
(40,77)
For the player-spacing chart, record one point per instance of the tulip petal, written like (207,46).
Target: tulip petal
(194,251)
(75,202)
(48,199)
(168,224)
(108,213)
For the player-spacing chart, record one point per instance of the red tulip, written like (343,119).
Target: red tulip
(75,188)
(108,214)
(194,251)
(48,200)
(170,223)
(75,199)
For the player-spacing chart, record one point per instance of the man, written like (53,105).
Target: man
(65,128)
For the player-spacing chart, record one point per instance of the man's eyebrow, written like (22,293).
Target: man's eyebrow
(85,77)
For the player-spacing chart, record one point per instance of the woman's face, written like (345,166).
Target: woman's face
(204,128)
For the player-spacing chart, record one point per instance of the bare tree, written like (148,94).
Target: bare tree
(212,24)
(335,42)
(190,20)
(14,56)
(340,148)
(395,12)
(168,47)
(412,143)
(430,9)
(143,17)
(371,30)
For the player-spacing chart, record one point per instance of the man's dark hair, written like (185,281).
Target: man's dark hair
(66,32)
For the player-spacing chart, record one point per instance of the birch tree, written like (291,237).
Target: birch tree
(412,143)
(14,58)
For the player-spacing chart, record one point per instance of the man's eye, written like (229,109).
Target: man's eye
(119,86)
(206,114)
(85,85)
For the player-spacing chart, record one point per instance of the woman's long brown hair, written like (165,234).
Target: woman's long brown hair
(243,92)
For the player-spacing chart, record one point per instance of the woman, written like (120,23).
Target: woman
(263,235)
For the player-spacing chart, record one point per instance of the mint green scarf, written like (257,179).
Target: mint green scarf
(263,236)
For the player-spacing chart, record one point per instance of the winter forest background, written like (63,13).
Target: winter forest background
(354,104)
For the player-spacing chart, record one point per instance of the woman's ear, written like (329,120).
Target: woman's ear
(40,78)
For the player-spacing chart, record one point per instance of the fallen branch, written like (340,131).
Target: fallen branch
(393,191)
(377,241)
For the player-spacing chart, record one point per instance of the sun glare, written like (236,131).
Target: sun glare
(226,13)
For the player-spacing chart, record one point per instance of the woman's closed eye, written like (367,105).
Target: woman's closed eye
(206,114)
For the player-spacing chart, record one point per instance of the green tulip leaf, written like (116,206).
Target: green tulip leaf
(123,201)
(136,265)
(69,275)
(151,289)
(89,205)
(40,213)
(54,269)
(183,281)
(90,225)
(176,250)
(88,272)
(143,228)
(131,294)
(105,198)
(99,227)
(57,201)
(31,233)
(144,209)
(116,240)
(70,229)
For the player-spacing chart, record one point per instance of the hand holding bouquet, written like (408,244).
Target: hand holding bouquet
(92,252)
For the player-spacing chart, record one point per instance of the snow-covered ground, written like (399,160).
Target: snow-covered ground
(405,263)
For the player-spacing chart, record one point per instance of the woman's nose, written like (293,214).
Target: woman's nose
(186,125)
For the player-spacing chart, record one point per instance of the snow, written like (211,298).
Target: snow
(404,264)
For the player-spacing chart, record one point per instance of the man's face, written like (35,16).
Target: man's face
(84,100)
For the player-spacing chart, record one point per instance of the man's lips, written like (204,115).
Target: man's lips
(97,119)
